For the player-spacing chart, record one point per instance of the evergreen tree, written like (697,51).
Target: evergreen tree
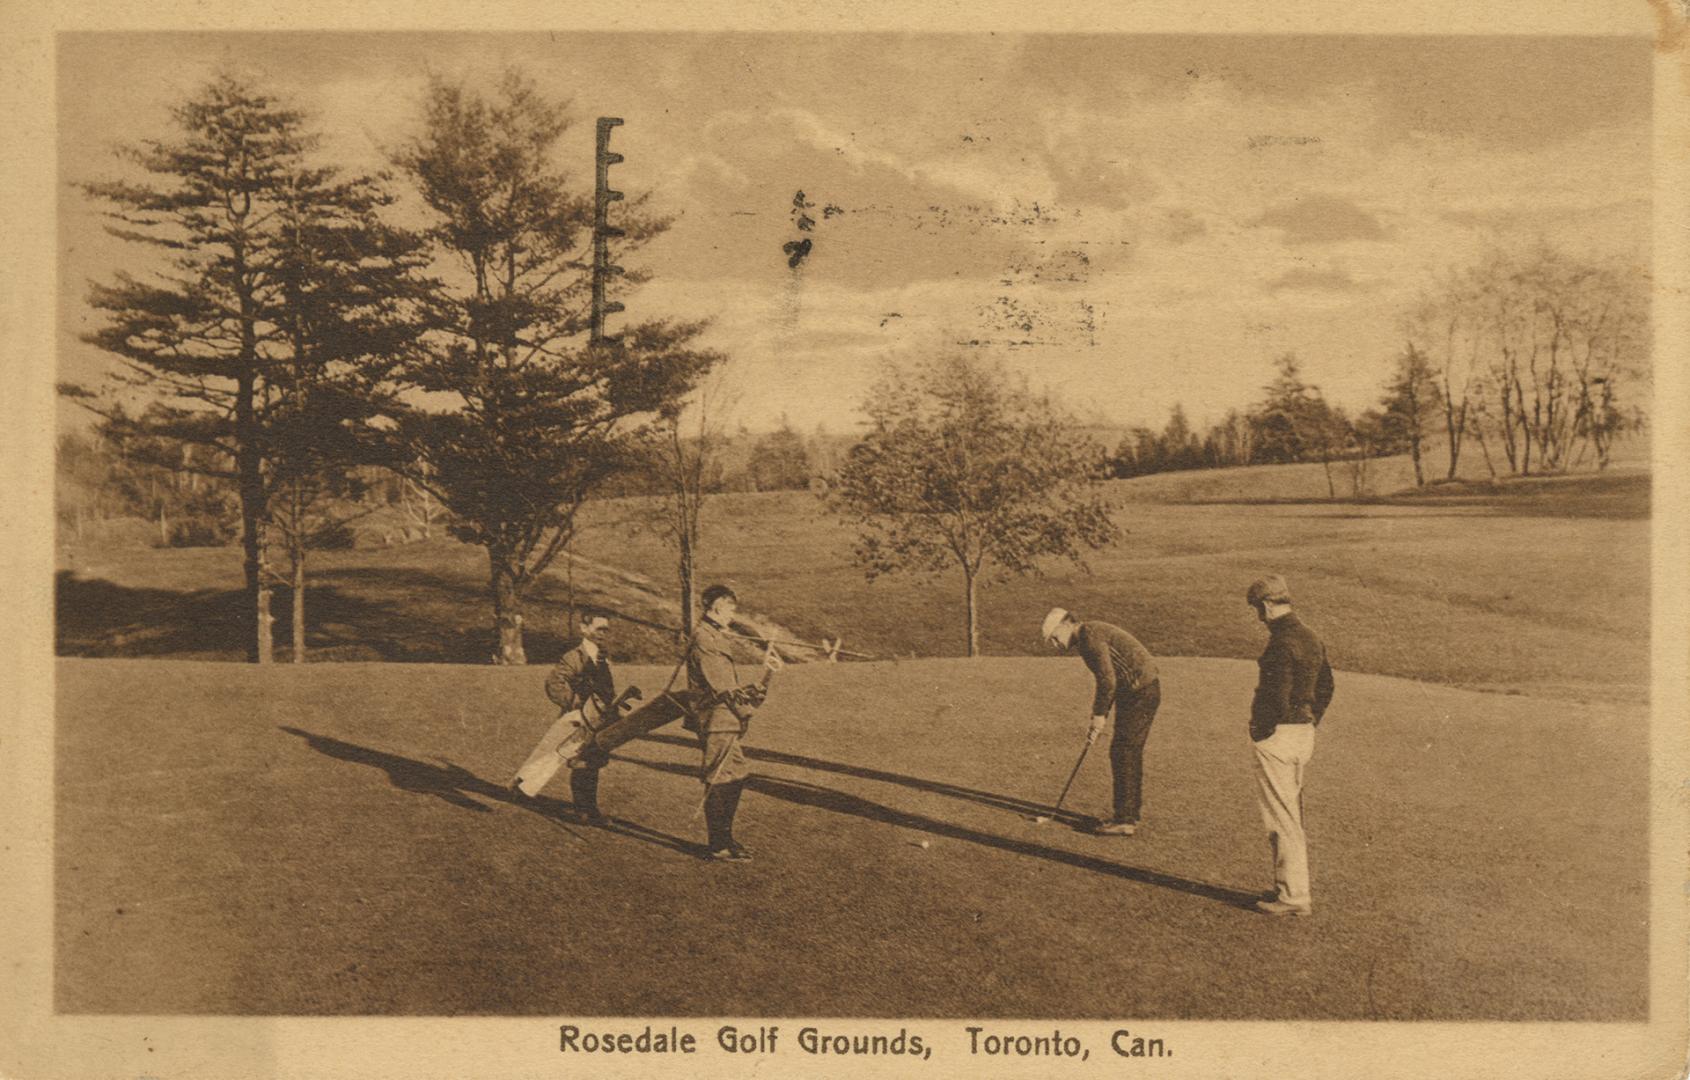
(276,275)
(1410,407)
(523,418)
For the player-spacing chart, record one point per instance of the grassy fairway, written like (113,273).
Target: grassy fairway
(1541,587)
(334,839)
(1497,592)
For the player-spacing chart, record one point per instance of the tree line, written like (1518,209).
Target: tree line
(1539,358)
(161,490)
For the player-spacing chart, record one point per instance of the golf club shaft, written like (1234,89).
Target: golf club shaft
(1060,799)
(795,644)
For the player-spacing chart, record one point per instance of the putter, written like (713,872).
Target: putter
(1041,819)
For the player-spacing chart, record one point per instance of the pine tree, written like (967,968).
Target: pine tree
(524,417)
(276,296)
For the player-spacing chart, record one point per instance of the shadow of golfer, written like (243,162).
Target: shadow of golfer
(803,793)
(863,772)
(458,786)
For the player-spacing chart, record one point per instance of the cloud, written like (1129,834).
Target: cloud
(1085,176)
(1517,217)
(1303,278)
(1322,219)
(1179,226)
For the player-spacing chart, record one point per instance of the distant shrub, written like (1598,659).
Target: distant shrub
(201,531)
(335,536)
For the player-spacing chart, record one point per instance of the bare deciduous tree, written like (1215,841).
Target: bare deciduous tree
(1554,344)
(681,457)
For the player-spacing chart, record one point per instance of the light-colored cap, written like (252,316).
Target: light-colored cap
(1052,621)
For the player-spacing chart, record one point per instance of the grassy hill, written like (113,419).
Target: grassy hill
(1540,584)
(335,839)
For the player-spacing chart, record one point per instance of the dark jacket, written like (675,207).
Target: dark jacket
(580,682)
(727,701)
(1118,662)
(1295,681)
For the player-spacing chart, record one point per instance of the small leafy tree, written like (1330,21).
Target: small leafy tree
(965,468)
(1410,407)
(779,460)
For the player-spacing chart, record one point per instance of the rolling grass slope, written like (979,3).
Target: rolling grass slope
(1540,587)
(334,839)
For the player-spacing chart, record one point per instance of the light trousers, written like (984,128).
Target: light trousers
(1281,759)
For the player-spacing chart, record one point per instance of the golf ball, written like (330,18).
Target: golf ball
(925,844)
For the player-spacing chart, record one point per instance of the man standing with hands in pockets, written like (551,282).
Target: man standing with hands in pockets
(726,705)
(1292,692)
(1127,683)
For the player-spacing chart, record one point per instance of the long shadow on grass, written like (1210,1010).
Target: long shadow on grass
(806,794)
(938,787)
(456,785)
(95,617)
(366,614)
(355,613)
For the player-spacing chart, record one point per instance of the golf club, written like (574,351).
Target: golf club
(823,648)
(1040,819)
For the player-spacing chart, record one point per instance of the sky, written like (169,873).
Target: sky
(1132,221)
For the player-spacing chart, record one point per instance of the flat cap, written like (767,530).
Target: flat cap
(1268,590)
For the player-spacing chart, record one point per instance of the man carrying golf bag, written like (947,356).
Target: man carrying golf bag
(1126,682)
(727,705)
(582,680)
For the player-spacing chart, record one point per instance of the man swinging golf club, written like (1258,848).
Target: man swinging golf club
(1126,682)
(727,704)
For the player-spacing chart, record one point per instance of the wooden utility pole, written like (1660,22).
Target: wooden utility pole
(603,231)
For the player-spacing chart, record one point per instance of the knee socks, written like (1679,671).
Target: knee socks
(721,802)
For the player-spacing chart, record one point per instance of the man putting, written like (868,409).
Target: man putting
(582,680)
(726,704)
(1126,682)
(1292,693)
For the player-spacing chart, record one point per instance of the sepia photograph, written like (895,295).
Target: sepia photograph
(821,547)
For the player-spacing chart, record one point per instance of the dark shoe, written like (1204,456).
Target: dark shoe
(1282,909)
(1116,828)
